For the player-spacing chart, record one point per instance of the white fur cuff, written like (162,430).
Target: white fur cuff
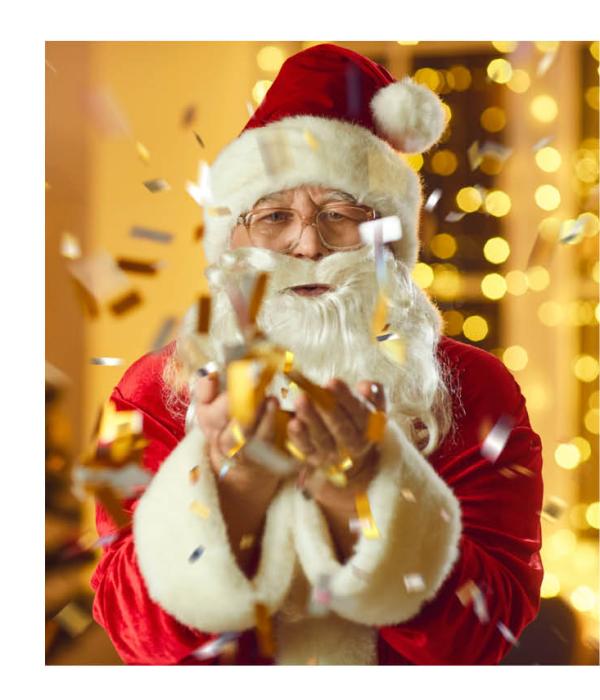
(387,580)
(208,592)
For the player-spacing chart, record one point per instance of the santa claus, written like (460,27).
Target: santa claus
(425,552)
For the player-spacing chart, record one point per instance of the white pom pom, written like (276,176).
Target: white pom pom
(409,115)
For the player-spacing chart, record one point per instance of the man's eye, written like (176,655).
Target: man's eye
(333,215)
(274,217)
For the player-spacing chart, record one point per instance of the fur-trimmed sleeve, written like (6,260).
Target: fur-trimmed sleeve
(388,579)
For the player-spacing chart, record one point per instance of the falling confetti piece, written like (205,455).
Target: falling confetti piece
(210,369)
(157,185)
(479,605)
(414,583)
(196,554)
(310,139)
(249,108)
(247,542)
(495,441)
(140,266)
(214,646)
(69,246)
(195,474)
(495,149)
(390,228)
(376,426)
(433,199)
(106,115)
(201,191)
(73,619)
(570,231)
(225,467)
(100,276)
(474,155)
(445,515)
(126,303)
(143,152)
(163,334)
(218,211)
(264,631)
(294,451)
(553,508)
(203,317)
(408,495)
(188,116)
(507,634)
(545,63)
(320,599)
(200,509)
(199,139)
(542,143)
(107,361)
(363,510)
(454,216)
(149,234)
(274,151)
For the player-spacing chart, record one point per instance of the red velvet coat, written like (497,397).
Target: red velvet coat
(499,544)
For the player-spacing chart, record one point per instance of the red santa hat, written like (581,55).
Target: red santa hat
(336,119)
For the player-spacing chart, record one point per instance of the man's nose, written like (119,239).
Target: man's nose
(309,246)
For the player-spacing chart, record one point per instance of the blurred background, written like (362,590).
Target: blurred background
(509,253)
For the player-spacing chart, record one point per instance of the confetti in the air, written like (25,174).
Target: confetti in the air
(408,495)
(414,583)
(274,151)
(150,234)
(507,634)
(542,143)
(201,191)
(390,228)
(433,199)
(247,542)
(188,116)
(163,334)
(363,509)
(454,216)
(545,63)
(199,139)
(143,152)
(107,361)
(126,303)
(269,457)
(496,439)
(194,474)
(474,155)
(214,646)
(200,509)
(310,139)
(553,508)
(209,369)
(69,246)
(320,599)
(225,467)
(140,266)
(196,554)
(100,276)
(106,115)
(73,619)
(157,185)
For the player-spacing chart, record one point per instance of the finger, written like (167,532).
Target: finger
(352,406)
(213,417)
(318,432)
(265,429)
(373,392)
(206,389)
(299,437)
(347,436)
(228,438)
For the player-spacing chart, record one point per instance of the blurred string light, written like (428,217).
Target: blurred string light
(499,70)
(447,281)
(547,197)
(497,203)
(260,89)
(550,585)
(585,368)
(496,250)
(414,160)
(505,46)
(422,274)
(594,50)
(453,322)
(591,421)
(493,119)
(469,199)
(560,544)
(567,455)
(461,77)
(516,282)
(548,159)
(515,358)
(519,81)
(592,515)
(592,97)
(270,58)
(443,245)
(430,77)
(547,46)
(551,313)
(544,108)
(493,286)
(583,598)
(475,328)
(584,447)
(538,278)
(444,162)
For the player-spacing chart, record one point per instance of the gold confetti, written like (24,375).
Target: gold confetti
(379,315)
(369,528)
(195,474)
(408,495)
(241,440)
(247,541)
(126,303)
(143,152)
(218,211)
(294,451)
(336,477)
(310,140)
(264,630)
(258,293)
(394,348)
(288,361)
(376,426)
(69,246)
(200,509)
(204,307)
(320,396)
(74,619)
(139,266)
(157,185)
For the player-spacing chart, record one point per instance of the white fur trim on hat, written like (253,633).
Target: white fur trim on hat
(211,594)
(409,115)
(387,580)
(308,150)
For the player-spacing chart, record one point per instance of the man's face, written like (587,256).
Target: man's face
(307,200)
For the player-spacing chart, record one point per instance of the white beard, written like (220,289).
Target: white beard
(330,334)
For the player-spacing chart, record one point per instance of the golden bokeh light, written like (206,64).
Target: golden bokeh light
(461,77)
(429,77)
(270,58)
(547,46)
(493,119)
(447,281)
(260,89)
(591,421)
(584,447)
(453,322)
(594,50)
(547,197)
(548,159)
(447,114)
(561,543)
(590,224)
(577,516)
(592,515)
(497,203)
(551,313)
(407,43)
(496,250)
(550,585)
(549,229)
(415,161)
(515,358)
(538,278)
(505,46)
(444,162)
(469,199)
(537,396)
(544,108)
(520,81)
(586,368)
(443,245)
(491,164)
(422,274)
(493,286)
(594,399)
(567,455)
(580,313)
(592,97)
(583,598)
(516,282)
(499,70)
(586,169)
(475,328)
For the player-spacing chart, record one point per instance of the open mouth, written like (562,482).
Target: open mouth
(310,290)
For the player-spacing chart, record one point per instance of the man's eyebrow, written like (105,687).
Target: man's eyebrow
(272,195)
(338,195)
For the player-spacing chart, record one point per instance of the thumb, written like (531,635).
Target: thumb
(206,389)
(373,392)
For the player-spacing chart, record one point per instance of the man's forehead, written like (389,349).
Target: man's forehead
(322,193)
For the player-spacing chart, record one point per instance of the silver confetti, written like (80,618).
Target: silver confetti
(151,235)
(126,481)
(545,62)
(454,216)
(479,604)
(542,143)
(107,361)
(212,648)
(474,155)
(389,227)
(320,599)
(157,185)
(496,439)
(201,190)
(433,199)
(507,634)
(414,583)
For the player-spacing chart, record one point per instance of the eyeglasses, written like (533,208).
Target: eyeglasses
(281,229)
